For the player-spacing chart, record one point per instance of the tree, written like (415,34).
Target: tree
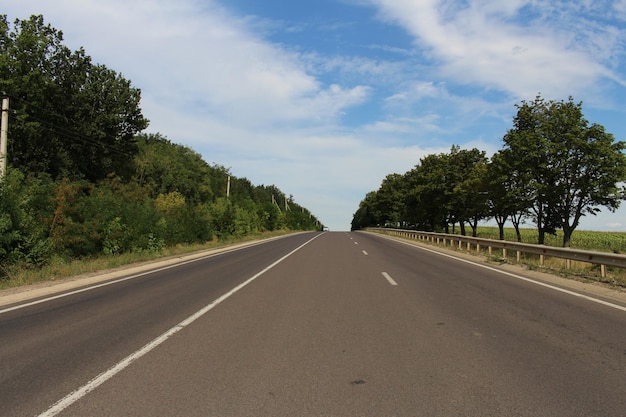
(24,208)
(591,164)
(364,216)
(467,201)
(390,200)
(571,168)
(165,167)
(427,196)
(70,117)
(473,191)
(506,192)
(528,151)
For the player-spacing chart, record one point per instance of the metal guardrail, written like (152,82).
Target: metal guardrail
(603,259)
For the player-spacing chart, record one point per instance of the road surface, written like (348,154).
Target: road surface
(316,324)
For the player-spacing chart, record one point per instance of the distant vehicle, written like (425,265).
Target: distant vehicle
(325,229)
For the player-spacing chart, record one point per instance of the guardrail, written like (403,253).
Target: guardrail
(603,259)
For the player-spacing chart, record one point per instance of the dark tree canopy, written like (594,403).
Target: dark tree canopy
(70,117)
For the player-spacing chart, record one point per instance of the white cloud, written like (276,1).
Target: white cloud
(199,59)
(620,9)
(485,42)
(429,123)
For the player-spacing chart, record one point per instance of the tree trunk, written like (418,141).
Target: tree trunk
(568,230)
(462,227)
(474,224)
(540,225)
(501,220)
(501,230)
(542,235)
(516,221)
(567,237)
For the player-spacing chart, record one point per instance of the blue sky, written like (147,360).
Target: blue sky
(325,98)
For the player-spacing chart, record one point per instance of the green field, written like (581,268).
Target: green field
(614,242)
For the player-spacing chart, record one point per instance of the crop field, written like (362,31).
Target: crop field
(614,242)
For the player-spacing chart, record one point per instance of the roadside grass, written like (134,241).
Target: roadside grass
(59,268)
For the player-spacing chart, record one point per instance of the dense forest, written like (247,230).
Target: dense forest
(553,169)
(83,180)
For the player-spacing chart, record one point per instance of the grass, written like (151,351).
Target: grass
(59,268)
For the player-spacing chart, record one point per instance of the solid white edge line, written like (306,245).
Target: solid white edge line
(543,284)
(388,278)
(111,372)
(115,281)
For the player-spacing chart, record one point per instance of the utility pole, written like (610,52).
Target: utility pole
(228,188)
(3,137)
(274,202)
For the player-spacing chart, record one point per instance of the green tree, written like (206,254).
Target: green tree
(70,117)
(505,192)
(465,186)
(428,192)
(24,211)
(573,168)
(364,215)
(527,145)
(390,201)
(165,167)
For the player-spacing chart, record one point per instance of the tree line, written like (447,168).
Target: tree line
(84,180)
(553,169)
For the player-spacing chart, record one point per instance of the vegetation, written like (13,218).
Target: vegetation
(71,118)
(614,242)
(84,182)
(554,169)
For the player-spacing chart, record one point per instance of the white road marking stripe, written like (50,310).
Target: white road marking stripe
(356,243)
(111,372)
(388,277)
(364,253)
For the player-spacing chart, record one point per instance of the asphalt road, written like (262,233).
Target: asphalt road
(317,324)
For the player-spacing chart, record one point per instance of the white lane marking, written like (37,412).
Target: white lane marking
(532,281)
(356,243)
(111,372)
(115,281)
(388,278)
(364,253)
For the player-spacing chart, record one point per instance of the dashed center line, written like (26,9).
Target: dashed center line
(388,278)
(364,253)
